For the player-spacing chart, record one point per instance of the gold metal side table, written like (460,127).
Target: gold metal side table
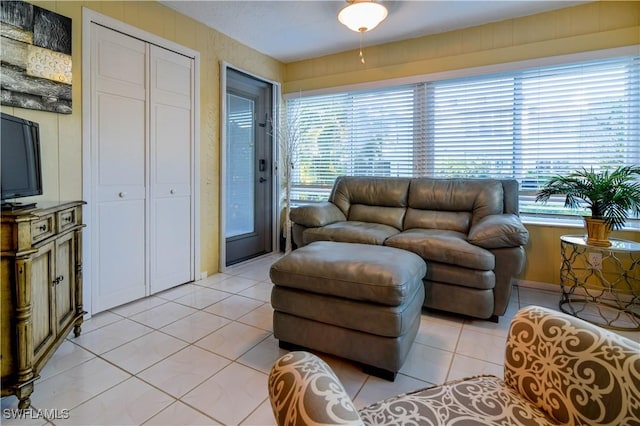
(601,284)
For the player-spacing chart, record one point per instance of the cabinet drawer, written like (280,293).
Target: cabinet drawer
(67,219)
(42,228)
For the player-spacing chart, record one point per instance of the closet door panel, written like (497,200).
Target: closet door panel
(119,140)
(171,136)
(172,260)
(122,274)
(120,148)
(172,150)
(121,64)
(171,201)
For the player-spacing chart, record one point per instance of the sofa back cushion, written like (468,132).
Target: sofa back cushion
(371,199)
(435,219)
(453,204)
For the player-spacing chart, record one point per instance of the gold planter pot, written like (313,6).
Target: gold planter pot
(597,232)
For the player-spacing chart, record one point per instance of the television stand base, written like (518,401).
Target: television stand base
(7,206)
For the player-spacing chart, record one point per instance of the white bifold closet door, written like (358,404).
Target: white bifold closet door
(142,142)
(171,248)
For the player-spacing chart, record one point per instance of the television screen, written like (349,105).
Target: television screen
(20,158)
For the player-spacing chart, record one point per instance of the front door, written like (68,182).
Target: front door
(249,172)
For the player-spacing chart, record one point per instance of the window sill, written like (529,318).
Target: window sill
(570,222)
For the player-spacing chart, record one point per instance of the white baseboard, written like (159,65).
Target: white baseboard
(538,285)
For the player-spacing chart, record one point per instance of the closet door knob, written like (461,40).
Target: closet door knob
(172,191)
(122,194)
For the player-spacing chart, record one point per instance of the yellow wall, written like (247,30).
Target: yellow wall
(61,135)
(543,251)
(593,26)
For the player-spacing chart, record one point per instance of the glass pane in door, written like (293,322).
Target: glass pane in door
(240,166)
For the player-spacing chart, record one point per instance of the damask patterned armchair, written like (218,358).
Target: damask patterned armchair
(558,370)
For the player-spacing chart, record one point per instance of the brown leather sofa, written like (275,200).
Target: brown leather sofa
(467,230)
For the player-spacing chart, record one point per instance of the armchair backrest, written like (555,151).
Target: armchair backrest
(576,372)
(304,390)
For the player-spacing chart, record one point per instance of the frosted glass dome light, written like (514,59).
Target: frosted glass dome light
(362,15)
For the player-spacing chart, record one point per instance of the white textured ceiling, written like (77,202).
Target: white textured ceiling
(302,29)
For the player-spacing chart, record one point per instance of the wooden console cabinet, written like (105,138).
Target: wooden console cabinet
(41,290)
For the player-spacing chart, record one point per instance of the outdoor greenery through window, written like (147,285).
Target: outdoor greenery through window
(528,125)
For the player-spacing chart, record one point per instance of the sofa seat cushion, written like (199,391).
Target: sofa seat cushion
(350,232)
(484,400)
(360,272)
(452,274)
(439,245)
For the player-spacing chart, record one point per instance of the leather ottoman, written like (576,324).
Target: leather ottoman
(357,301)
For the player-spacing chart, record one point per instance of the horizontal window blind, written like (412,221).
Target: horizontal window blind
(471,127)
(528,125)
(583,115)
(366,133)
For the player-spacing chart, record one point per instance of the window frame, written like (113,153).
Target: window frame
(520,66)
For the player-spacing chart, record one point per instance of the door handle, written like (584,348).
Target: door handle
(262,180)
(262,165)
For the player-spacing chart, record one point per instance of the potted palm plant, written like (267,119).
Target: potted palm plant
(611,195)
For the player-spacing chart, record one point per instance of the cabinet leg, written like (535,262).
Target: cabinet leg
(77,325)
(24,395)
(24,403)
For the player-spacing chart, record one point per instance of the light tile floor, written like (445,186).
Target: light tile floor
(199,354)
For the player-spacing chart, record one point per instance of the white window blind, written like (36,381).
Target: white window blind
(528,125)
(366,133)
(471,128)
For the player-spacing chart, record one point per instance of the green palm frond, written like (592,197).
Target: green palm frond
(609,194)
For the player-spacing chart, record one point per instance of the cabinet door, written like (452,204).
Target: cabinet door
(65,279)
(42,298)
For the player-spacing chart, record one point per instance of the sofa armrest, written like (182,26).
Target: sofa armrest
(303,390)
(576,372)
(498,231)
(316,215)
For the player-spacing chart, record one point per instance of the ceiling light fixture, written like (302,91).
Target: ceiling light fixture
(362,16)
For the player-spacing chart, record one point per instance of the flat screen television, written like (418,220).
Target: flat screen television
(21,170)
